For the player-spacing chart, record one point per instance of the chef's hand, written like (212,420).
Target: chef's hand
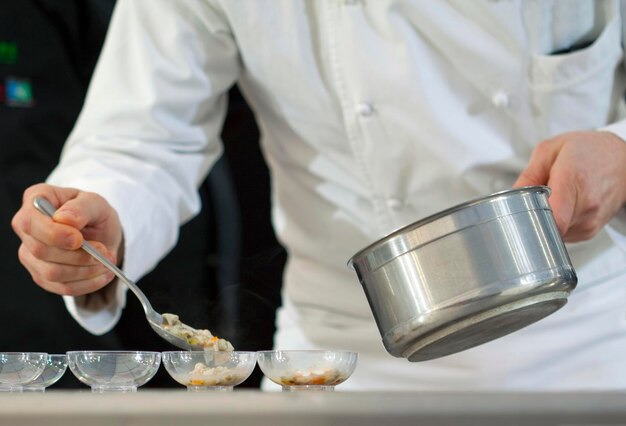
(50,248)
(586,171)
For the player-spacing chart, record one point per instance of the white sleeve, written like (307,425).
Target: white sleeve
(98,312)
(149,130)
(617,226)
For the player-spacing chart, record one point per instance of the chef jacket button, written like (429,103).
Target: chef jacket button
(500,99)
(364,109)
(394,204)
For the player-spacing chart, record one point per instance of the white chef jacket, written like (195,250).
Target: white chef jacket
(373,114)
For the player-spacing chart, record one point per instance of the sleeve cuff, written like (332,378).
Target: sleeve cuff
(98,312)
(616,229)
(618,129)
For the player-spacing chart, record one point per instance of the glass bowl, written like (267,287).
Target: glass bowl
(209,370)
(114,371)
(19,368)
(296,370)
(55,367)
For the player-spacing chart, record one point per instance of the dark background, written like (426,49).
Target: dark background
(225,272)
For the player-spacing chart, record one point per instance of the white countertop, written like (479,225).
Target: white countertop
(252,407)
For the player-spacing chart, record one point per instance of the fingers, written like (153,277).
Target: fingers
(47,231)
(57,254)
(537,172)
(65,272)
(586,173)
(563,201)
(82,210)
(51,248)
(542,169)
(30,222)
(63,280)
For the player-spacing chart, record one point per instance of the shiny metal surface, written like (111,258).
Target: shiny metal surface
(467,275)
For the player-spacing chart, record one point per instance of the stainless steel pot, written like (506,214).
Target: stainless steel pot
(466,275)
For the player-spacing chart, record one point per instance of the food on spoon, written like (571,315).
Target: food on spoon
(195,337)
(313,377)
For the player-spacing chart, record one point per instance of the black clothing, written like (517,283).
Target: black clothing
(224,274)
(53,46)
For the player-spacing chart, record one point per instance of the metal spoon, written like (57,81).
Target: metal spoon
(154,318)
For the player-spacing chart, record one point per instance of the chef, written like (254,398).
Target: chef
(373,114)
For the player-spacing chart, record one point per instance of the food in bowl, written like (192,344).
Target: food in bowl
(314,377)
(209,370)
(203,375)
(296,370)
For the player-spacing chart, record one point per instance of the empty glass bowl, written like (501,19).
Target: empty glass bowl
(19,368)
(209,370)
(307,369)
(114,371)
(55,367)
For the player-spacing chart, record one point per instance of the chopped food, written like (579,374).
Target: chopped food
(203,375)
(314,377)
(195,337)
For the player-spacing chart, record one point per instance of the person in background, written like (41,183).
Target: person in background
(372,114)
(48,50)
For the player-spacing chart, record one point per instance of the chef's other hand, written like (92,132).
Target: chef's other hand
(586,171)
(50,248)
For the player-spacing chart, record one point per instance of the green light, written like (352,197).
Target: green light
(8,52)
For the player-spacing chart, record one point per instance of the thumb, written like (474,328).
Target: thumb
(537,171)
(80,211)
(94,217)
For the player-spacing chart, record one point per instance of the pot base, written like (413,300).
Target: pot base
(485,326)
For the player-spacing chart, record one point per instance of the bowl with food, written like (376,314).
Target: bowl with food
(209,370)
(297,370)
(56,365)
(20,368)
(114,371)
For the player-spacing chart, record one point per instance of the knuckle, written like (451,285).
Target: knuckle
(28,193)
(52,272)
(593,227)
(594,205)
(38,250)
(20,224)
(39,281)
(16,223)
(587,230)
(22,254)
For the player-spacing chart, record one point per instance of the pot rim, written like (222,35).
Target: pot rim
(375,246)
